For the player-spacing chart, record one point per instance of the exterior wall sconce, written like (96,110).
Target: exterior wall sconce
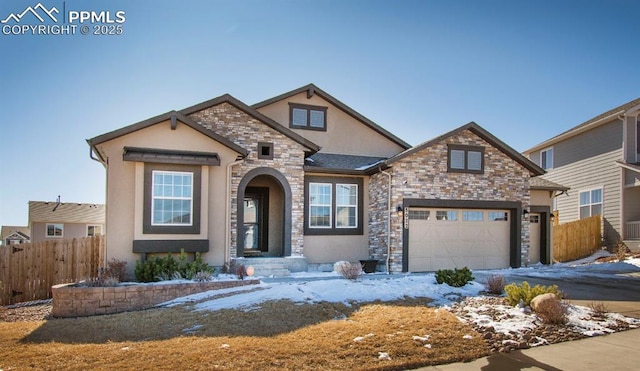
(552,217)
(525,214)
(399,208)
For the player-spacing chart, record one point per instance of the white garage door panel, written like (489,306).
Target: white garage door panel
(436,244)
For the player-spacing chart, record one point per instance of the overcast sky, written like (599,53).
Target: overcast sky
(524,70)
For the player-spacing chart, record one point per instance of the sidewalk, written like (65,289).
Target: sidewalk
(619,351)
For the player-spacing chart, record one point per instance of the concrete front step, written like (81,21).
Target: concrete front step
(270,267)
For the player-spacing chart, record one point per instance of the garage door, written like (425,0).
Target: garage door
(455,238)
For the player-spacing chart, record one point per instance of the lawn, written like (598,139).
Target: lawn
(279,334)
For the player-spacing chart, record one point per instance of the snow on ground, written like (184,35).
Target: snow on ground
(331,287)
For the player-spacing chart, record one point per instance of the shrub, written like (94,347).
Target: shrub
(456,277)
(350,271)
(552,312)
(240,271)
(598,308)
(525,293)
(167,268)
(495,284)
(117,269)
(202,276)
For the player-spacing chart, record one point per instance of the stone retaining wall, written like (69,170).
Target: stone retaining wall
(69,300)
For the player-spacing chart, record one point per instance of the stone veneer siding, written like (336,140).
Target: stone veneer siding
(70,300)
(424,175)
(288,158)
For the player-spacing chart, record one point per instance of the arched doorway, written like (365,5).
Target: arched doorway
(264,214)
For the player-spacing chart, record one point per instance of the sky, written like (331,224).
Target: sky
(524,70)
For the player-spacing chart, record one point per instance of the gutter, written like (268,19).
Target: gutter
(227,211)
(389,211)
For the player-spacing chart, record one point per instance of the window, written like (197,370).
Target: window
(307,117)
(546,159)
(446,215)
(319,205)
(465,159)
(590,203)
(55,230)
(498,215)
(472,216)
(346,205)
(535,219)
(638,140)
(265,151)
(333,205)
(419,214)
(171,199)
(94,230)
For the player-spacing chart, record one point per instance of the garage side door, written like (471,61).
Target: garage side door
(455,238)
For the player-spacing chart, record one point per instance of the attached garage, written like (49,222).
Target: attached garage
(456,238)
(441,234)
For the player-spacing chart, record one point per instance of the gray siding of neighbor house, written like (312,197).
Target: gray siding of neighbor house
(585,162)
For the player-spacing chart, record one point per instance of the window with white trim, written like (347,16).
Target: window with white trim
(94,230)
(172,198)
(546,158)
(346,205)
(590,203)
(320,205)
(55,230)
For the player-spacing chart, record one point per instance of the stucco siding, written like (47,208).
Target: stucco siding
(344,134)
(69,231)
(125,190)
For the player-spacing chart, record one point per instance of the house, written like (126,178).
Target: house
(14,235)
(300,181)
(600,161)
(58,220)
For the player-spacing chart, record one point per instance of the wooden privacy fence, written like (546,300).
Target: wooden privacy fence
(576,240)
(27,271)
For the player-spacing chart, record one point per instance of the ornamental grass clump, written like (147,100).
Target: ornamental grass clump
(525,293)
(552,312)
(495,284)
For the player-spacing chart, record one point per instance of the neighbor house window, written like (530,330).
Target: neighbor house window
(94,230)
(307,117)
(465,159)
(590,203)
(333,205)
(55,230)
(546,159)
(172,198)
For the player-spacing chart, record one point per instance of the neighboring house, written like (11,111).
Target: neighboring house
(56,220)
(301,181)
(12,235)
(600,161)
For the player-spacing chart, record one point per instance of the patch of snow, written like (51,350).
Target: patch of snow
(467,337)
(384,355)
(193,328)
(422,338)
(225,346)
(360,338)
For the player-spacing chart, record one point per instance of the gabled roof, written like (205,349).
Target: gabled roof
(599,120)
(66,212)
(226,98)
(174,116)
(311,89)
(542,184)
(340,164)
(482,133)
(8,230)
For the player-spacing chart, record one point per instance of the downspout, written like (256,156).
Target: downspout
(227,211)
(106,207)
(389,211)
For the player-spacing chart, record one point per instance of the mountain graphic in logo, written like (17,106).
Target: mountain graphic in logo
(35,11)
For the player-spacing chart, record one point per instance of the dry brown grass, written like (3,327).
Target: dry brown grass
(280,335)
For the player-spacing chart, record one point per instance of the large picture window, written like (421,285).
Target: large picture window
(171,199)
(590,203)
(333,205)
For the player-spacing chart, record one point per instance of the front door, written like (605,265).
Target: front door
(256,212)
